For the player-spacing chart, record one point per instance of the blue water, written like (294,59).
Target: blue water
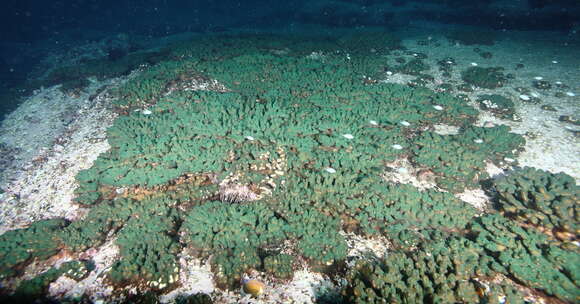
(30,30)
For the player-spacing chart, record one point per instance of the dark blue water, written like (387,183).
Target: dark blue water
(29,30)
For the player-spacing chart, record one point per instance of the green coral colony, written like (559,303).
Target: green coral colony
(299,135)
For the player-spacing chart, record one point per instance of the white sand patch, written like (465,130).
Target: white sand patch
(305,287)
(397,78)
(493,170)
(62,286)
(476,198)
(94,285)
(442,129)
(402,171)
(195,276)
(359,246)
(34,125)
(44,187)
(549,145)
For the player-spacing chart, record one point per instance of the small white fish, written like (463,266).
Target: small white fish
(405,123)
(397,147)
(146,112)
(330,170)
(373,122)
(348,136)
(538,78)
(249,138)
(524,97)
(570,94)
(474,63)
(438,107)
(478,141)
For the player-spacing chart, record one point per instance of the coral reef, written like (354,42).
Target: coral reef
(149,253)
(488,78)
(279,265)
(215,225)
(516,248)
(444,271)
(413,67)
(34,289)
(285,144)
(22,246)
(542,199)
(499,105)
(230,265)
(459,160)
